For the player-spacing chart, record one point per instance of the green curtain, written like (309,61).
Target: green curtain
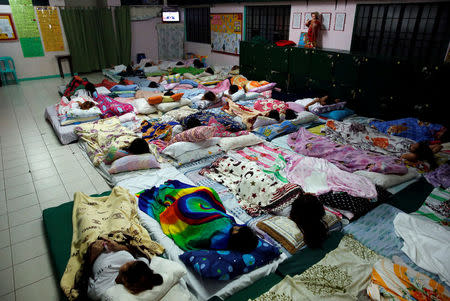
(123,29)
(91,38)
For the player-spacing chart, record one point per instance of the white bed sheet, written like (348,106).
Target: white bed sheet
(203,289)
(65,133)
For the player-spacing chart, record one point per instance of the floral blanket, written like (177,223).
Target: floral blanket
(345,157)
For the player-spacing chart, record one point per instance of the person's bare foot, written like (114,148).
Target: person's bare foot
(436,148)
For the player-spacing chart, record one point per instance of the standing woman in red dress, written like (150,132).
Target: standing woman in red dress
(313,30)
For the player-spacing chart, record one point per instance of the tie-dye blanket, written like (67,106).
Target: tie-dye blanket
(193,217)
(343,156)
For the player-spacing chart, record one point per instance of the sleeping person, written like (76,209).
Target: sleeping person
(137,147)
(108,106)
(195,218)
(112,264)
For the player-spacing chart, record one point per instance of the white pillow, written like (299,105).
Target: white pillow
(251,95)
(240,94)
(229,143)
(142,107)
(178,148)
(263,121)
(304,117)
(388,180)
(168,106)
(198,154)
(102,90)
(171,273)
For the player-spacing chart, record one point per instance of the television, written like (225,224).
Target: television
(171,16)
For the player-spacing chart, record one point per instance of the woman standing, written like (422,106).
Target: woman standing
(313,30)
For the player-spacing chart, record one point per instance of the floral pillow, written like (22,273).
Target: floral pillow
(226,265)
(272,131)
(134,162)
(196,134)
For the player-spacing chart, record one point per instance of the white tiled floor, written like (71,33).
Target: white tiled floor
(36,172)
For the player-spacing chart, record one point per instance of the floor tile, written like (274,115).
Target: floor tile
(32,270)
(51,193)
(8,297)
(39,157)
(25,215)
(17,191)
(43,164)
(83,185)
(43,173)
(73,176)
(22,202)
(35,151)
(14,156)
(46,289)
(13,163)
(47,182)
(18,180)
(4,239)
(18,170)
(26,231)
(7,283)
(29,249)
(54,203)
(4,222)
(5,258)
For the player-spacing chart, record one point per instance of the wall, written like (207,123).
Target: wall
(144,38)
(34,66)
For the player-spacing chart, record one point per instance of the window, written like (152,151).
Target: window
(269,22)
(416,31)
(198,24)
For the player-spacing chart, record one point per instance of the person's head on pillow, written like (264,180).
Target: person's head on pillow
(209,70)
(137,277)
(192,123)
(307,212)
(86,105)
(233,89)
(210,96)
(148,64)
(153,85)
(421,151)
(235,67)
(274,114)
(138,146)
(179,63)
(290,114)
(198,64)
(242,239)
(90,88)
(168,93)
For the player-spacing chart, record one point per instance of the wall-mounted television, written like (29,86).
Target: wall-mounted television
(171,16)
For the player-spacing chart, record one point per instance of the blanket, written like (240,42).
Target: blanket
(193,217)
(109,107)
(366,138)
(411,128)
(248,115)
(257,191)
(100,136)
(345,157)
(341,275)
(205,116)
(157,131)
(114,216)
(436,207)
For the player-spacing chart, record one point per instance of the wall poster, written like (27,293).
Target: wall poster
(339,21)
(7,29)
(226,33)
(50,28)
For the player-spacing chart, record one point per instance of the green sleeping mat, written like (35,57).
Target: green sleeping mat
(58,227)
(412,196)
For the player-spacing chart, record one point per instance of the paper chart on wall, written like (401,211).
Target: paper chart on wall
(50,28)
(226,33)
(6,28)
(26,26)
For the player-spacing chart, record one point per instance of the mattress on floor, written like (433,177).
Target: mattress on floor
(203,289)
(58,229)
(376,231)
(65,133)
(109,73)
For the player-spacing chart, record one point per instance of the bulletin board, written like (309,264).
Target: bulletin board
(7,30)
(50,28)
(226,33)
(27,29)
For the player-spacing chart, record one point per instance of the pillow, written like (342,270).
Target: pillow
(196,155)
(226,265)
(267,87)
(171,273)
(229,143)
(388,180)
(329,108)
(168,106)
(102,90)
(296,107)
(176,78)
(272,131)
(304,117)
(114,154)
(134,162)
(263,121)
(154,100)
(286,232)
(177,149)
(128,117)
(267,94)
(338,114)
(142,106)
(239,95)
(196,134)
(252,95)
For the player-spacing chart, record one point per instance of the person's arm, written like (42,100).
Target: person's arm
(311,103)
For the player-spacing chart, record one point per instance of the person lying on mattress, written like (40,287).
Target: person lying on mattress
(108,106)
(112,264)
(322,101)
(195,218)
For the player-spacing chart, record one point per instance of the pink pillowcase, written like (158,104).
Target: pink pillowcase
(196,134)
(134,162)
(264,88)
(221,130)
(296,107)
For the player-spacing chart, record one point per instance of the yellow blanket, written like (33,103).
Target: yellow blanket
(115,216)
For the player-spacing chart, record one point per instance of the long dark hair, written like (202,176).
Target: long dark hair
(307,212)
(424,153)
(138,146)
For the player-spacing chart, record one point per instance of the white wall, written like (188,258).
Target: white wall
(144,38)
(33,66)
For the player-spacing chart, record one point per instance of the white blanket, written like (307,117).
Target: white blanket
(425,243)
